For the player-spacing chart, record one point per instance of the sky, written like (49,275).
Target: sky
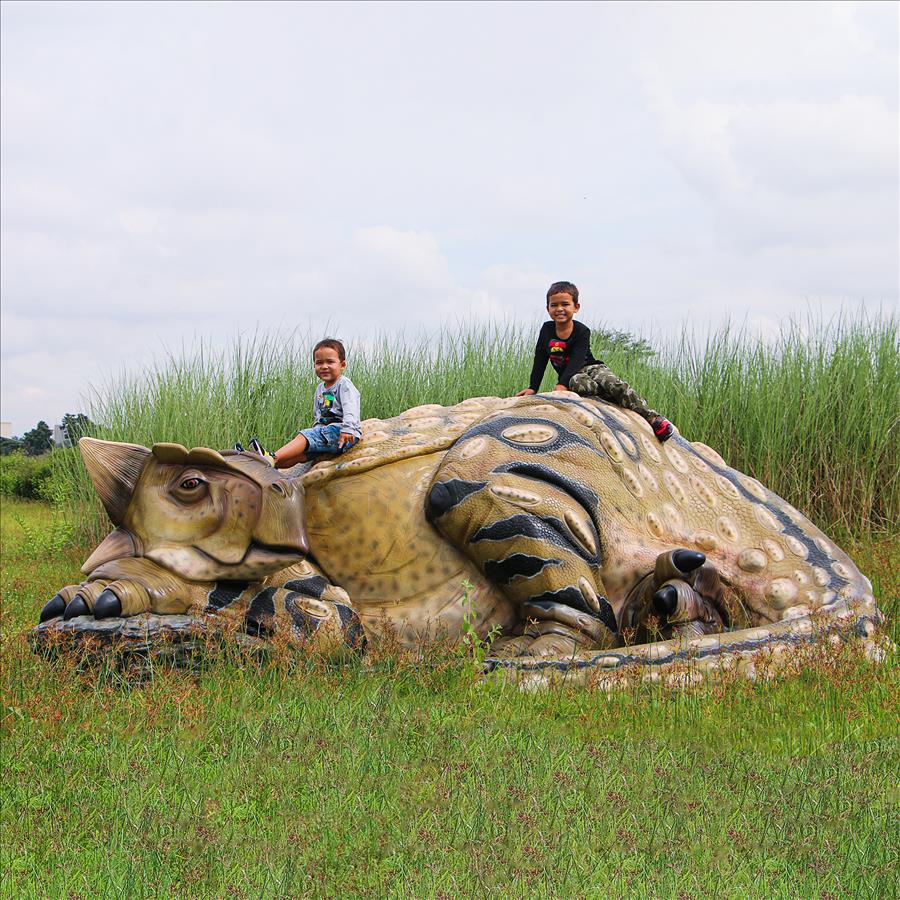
(178,172)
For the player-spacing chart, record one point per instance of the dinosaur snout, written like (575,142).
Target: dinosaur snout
(280,524)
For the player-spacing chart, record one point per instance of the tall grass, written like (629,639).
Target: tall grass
(813,413)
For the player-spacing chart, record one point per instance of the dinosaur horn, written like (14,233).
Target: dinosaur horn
(115,469)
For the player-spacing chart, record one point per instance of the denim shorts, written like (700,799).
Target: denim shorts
(324,439)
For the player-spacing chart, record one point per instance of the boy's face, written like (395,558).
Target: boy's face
(327,365)
(562,308)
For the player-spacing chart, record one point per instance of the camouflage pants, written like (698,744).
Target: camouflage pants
(600,381)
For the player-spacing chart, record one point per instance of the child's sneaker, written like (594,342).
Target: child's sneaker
(257,447)
(239,447)
(662,428)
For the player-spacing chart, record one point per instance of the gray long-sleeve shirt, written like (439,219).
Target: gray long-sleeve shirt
(338,405)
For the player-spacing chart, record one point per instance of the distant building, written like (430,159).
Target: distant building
(6,429)
(59,437)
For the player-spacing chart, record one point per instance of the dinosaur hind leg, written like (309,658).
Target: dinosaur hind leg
(530,531)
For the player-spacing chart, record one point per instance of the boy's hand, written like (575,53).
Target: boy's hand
(345,438)
(525,393)
(560,387)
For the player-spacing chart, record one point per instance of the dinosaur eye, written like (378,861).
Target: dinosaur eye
(190,487)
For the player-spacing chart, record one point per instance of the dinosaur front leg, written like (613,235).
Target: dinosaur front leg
(125,587)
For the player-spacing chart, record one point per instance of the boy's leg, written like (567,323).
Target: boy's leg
(600,381)
(293,452)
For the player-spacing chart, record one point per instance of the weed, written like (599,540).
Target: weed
(472,646)
(45,538)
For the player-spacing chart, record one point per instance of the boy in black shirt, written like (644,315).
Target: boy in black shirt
(567,345)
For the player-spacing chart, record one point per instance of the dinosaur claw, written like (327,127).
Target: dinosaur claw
(53,608)
(666,598)
(688,560)
(76,607)
(439,501)
(107,605)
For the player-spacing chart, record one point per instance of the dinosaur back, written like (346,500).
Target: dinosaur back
(415,432)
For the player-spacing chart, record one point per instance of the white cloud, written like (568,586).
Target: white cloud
(410,258)
(139,222)
(200,170)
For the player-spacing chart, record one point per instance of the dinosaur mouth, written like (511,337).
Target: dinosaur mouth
(256,554)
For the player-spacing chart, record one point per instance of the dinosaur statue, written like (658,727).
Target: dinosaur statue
(554,523)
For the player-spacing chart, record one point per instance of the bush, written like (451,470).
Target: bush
(29,477)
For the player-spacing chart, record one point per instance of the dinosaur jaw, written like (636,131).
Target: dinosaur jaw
(194,564)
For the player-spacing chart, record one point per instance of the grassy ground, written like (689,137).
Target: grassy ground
(404,780)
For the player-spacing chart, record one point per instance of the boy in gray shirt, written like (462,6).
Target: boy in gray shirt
(335,409)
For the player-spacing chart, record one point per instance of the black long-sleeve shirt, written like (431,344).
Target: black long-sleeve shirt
(567,356)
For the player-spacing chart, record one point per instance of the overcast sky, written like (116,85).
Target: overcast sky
(174,171)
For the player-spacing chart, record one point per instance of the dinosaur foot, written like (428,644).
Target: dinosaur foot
(682,597)
(556,630)
(257,618)
(142,587)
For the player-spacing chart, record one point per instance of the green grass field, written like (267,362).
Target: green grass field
(390,777)
(398,779)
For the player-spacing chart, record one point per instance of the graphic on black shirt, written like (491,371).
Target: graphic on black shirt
(559,359)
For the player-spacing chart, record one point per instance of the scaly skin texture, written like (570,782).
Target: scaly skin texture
(555,521)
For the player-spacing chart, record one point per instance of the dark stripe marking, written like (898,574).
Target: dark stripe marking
(447,495)
(224,593)
(580,493)
(313,586)
(564,438)
(259,616)
(612,423)
(542,528)
(518,564)
(354,636)
(571,596)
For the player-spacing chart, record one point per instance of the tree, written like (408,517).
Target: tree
(75,426)
(9,445)
(39,440)
(610,339)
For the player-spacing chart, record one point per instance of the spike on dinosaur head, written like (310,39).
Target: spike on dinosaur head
(114,469)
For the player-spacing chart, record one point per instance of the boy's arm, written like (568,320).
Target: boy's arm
(350,408)
(577,355)
(541,357)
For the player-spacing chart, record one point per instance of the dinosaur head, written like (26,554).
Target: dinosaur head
(204,515)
